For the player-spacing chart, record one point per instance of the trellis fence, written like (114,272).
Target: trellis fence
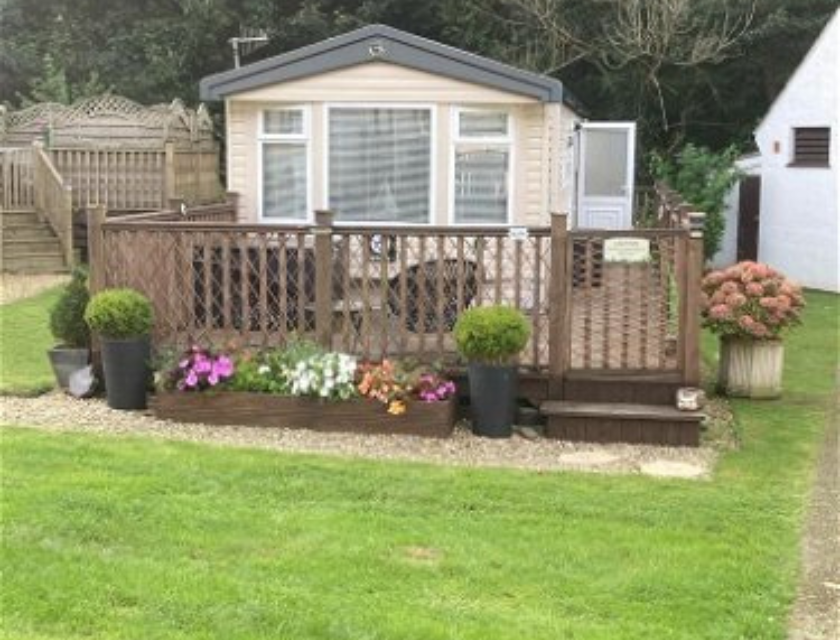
(397,291)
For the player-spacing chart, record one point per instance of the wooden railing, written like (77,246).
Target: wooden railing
(120,179)
(17,179)
(125,179)
(397,291)
(53,200)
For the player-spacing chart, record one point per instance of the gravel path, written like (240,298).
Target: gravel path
(816,614)
(58,412)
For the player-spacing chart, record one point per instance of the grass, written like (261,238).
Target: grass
(24,340)
(112,537)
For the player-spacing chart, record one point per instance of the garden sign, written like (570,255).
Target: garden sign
(627,250)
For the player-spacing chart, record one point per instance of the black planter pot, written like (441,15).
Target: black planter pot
(126,365)
(66,361)
(493,399)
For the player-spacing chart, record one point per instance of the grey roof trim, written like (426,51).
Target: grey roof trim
(397,47)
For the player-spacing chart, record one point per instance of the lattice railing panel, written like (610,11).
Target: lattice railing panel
(624,315)
(392,294)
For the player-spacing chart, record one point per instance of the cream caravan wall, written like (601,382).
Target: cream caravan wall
(539,132)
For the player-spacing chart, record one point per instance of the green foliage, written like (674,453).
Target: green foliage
(67,316)
(119,314)
(53,86)
(704,178)
(492,334)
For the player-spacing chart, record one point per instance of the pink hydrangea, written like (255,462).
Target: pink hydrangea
(754,289)
(729,287)
(720,312)
(736,300)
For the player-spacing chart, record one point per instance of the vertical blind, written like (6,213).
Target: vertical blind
(380,164)
(481,178)
(284,180)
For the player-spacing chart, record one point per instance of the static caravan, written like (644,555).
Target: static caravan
(381,126)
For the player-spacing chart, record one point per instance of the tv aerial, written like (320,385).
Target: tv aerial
(250,40)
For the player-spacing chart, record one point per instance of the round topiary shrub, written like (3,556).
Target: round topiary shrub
(67,316)
(491,335)
(119,314)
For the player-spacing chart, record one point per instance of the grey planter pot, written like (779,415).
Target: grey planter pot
(65,361)
(127,372)
(493,392)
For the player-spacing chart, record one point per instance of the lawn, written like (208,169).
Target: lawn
(24,340)
(135,538)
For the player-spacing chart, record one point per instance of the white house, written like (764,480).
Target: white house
(382,126)
(798,170)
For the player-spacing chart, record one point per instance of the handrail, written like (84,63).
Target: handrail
(53,200)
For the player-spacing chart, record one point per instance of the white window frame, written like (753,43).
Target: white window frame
(303,139)
(489,142)
(433,134)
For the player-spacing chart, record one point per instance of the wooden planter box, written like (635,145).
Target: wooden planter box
(430,419)
(751,368)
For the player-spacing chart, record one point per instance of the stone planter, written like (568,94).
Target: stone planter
(429,419)
(751,368)
(65,361)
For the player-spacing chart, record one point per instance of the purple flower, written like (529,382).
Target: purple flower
(184,363)
(191,380)
(213,379)
(223,367)
(202,364)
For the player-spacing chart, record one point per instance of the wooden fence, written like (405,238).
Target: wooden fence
(397,291)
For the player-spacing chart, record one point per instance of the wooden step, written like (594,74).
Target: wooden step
(634,388)
(28,232)
(34,263)
(621,422)
(14,247)
(10,217)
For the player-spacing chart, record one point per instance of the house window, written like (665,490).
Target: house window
(284,141)
(481,160)
(380,164)
(811,146)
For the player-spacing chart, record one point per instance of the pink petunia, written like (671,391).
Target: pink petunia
(191,380)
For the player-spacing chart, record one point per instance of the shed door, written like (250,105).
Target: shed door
(606,169)
(749,208)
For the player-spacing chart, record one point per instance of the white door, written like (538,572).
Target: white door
(606,170)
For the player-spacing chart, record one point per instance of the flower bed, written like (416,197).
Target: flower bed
(430,419)
(303,386)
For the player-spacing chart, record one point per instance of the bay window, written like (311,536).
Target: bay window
(284,142)
(481,160)
(380,164)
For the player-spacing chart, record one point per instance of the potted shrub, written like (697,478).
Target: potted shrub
(490,338)
(123,320)
(68,326)
(750,305)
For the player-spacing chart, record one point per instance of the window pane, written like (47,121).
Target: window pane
(380,165)
(284,181)
(483,124)
(287,122)
(605,162)
(481,181)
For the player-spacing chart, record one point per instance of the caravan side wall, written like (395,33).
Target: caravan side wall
(539,140)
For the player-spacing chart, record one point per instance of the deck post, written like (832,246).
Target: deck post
(168,173)
(96,254)
(323,277)
(558,294)
(691,320)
